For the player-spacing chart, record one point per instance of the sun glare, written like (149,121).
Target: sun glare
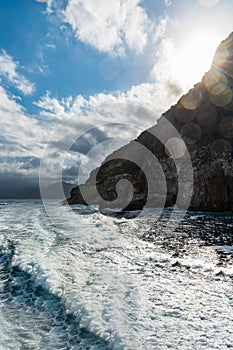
(195,58)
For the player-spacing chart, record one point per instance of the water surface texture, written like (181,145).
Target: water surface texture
(102,282)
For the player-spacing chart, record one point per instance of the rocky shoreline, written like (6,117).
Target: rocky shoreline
(204,119)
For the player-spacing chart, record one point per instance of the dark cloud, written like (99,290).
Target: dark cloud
(82,144)
(23,163)
(23,187)
(91,138)
(5,142)
(18,187)
(55,155)
(70,172)
(30,163)
(174,89)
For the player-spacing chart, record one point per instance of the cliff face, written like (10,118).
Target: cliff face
(204,119)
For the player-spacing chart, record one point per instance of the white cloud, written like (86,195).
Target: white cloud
(164,70)
(140,106)
(168,2)
(21,134)
(109,26)
(24,135)
(133,111)
(152,96)
(51,105)
(8,69)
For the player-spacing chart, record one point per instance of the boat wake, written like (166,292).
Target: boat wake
(100,282)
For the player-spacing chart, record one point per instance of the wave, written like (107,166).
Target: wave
(37,317)
(102,282)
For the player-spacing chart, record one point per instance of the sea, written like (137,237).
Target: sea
(77,278)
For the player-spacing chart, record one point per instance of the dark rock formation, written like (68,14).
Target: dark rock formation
(204,119)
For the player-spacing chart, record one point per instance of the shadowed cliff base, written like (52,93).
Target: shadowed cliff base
(204,119)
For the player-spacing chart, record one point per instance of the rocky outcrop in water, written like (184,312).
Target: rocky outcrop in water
(204,119)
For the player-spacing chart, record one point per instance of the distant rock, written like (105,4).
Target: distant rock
(204,119)
(58,191)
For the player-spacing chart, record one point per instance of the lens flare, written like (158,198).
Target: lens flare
(189,64)
(192,100)
(221,95)
(207,118)
(220,147)
(226,127)
(191,133)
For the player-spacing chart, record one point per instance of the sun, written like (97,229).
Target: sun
(194,58)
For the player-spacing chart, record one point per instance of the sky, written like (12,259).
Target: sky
(80,78)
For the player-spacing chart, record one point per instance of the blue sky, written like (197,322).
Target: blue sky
(61,61)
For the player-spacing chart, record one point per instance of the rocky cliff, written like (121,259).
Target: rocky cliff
(204,119)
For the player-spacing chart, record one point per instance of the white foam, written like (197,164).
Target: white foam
(132,293)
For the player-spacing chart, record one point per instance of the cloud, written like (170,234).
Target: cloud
(15,185)
(109,26)
(152,96)
(91,138)
(168,2)
(90,129)
(112,119)
(22,135)
(8,70)
(164,70)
